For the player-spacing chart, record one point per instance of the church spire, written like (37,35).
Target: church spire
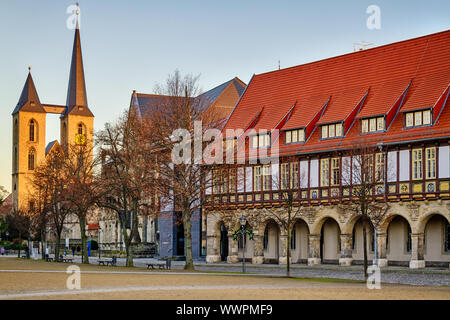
(76,102)
(29,99)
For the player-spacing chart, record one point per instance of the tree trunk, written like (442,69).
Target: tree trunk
(365,245)
(187,241)
(83,240)
(43,244)
(20,243)
(129,249)
(288,253)
(58,241)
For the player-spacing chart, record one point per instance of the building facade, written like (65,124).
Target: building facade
(304,127)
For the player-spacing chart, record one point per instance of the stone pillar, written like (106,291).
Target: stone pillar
(233,250)
(314,249)
(282,257)
(258,249)
(381,249)
(346,257)
(212,249)
(417,244)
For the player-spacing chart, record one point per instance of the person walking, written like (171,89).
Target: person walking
(2,250)
(73,251)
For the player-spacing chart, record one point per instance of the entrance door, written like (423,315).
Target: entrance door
(223,243)
(180,240)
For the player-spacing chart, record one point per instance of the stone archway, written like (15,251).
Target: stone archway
(398,241)
(358,241)
(299,242)
(271,242)
(330,241)
(223,242)
(436,240)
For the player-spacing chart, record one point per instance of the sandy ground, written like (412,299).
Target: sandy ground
(24,279)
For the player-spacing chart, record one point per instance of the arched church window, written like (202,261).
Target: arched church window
(80,129)
(32,130)
(31,159)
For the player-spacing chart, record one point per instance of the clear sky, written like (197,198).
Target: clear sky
(131,45)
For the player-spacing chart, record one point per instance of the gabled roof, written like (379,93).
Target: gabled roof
(52,146)
(29,99)
(407,75)
(385,71)
(145,103)
(76,103)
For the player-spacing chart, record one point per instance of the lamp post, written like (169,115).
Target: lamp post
(243,223)
(7,234)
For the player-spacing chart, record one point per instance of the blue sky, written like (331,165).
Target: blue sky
(131,45)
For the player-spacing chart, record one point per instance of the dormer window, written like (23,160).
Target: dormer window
(375,124)
(294,136)
(417,118)
(261,140)
(332,131)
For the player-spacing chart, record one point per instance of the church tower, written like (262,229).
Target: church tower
(28,141)
(77,121)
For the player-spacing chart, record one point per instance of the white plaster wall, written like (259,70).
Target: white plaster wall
(444,162)
(358,252)
(314,176)
(272,251)
(330,240)
(404,169)
(398,234)
(435,240)
(301,243)
(392,166)
(304,174)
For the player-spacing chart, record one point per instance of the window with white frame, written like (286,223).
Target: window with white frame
(379,167)
(335,172)
(418,118)
(375,124)
(261,141)
(266,177)
(332,131)
(293,136)
(257,178)
(417,164)
(294,174)
(284,175)
(324,172)
(430,163)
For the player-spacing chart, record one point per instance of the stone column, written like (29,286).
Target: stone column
(381,249)
(314,249)
(417,244)
(346,257)
(282,257)
(258,249)
(212,249)
(233,250)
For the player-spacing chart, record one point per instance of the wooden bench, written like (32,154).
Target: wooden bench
(112,261)
(156,264)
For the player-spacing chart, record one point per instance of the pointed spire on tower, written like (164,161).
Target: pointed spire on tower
(76,102)
(29,99)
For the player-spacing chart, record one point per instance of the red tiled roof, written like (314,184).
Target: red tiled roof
(385,71)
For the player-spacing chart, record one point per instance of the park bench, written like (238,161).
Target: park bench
(48,259)
(156,264)
(70,260)
(112,261)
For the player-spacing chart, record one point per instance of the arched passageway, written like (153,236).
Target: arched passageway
(358,242)
(299,242)
(437,241)
(223,242)
(330,242)
(398,242)
(271,242)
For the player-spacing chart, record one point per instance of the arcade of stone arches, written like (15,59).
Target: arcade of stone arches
(410,235)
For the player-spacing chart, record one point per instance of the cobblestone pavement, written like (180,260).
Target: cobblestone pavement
(400,275)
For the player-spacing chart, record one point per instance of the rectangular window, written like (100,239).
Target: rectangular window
(379,167)
(261,141)
(301,135)
(266,177)
(418,118)
(430,163)
(293,239)
(417,164)
(294,136)
(324,172)
(284,175)
(380,124)
(365,126)
(331,130)
(373,125)
(335,172)
(217,181)
(266,140)
(232,180)
(324,132)
(294,175)
(410,119)
(288,136)
(255,141)
(367,169)
(225,181)
(257,175)
(339,130)
(427,117)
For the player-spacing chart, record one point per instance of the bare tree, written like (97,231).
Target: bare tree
(127,175)
(82,190)
(364,171)
(176,132)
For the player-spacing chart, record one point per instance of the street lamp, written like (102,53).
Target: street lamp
(7,234)
(243,223)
